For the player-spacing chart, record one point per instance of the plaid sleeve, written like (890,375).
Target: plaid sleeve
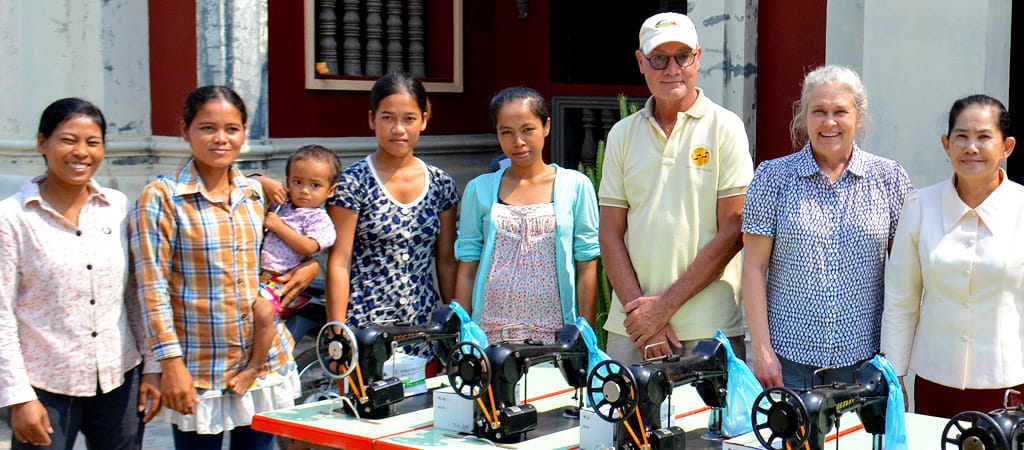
(153,230)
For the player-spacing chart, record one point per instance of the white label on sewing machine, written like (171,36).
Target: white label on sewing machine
(595,432)
(410,369)
(452,412)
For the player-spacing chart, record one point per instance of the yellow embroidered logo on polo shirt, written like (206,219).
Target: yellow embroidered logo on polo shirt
(700,156)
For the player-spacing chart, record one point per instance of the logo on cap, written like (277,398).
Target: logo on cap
(666,23)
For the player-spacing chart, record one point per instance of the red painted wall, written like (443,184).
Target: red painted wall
(172,61)
(790,42)
(297,112)
(500,50)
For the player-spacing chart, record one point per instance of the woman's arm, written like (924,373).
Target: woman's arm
(153,231)
(586,290)
(904,284)
(464,284)
(445,256)
(757,250)
(339,262)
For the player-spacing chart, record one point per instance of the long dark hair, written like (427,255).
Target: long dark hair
(1003,120)
(534,101)
(200,96)
(394,82)
(64,109)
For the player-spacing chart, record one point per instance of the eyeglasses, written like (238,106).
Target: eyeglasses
(660,61)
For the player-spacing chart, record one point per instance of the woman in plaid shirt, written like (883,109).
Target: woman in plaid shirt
(197,240)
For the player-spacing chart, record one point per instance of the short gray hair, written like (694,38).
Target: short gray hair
(821,76)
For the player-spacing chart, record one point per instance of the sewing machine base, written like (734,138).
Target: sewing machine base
(406,405)
(548,422)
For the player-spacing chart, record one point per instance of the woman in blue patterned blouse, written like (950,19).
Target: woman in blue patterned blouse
(817,225)
(394,214)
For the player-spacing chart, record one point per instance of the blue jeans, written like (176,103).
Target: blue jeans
(799,376)
(108,421)
(242,438)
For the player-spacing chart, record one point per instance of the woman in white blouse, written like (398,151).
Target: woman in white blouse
(73,355)
(954,285)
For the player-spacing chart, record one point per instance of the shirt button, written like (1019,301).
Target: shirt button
(970,242)
(964,338)
(403,301)
(92,301)
(244,316)
(967,305)
(88,266)
(78,233)
(239,281)
(94,334)
(405,256)
(403,280)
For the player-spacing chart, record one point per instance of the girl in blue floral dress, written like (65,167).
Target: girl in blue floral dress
(393,214)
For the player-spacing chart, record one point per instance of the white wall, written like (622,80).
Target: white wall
(916,57)
(96,50)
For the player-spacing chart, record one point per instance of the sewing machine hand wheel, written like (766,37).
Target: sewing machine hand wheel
(469,370)
(982,433)
(612,389)
(336,349)
(781,412)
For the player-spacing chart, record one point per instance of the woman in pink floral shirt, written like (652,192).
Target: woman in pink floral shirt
(71,330)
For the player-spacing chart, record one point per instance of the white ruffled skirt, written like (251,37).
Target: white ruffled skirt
(223,410)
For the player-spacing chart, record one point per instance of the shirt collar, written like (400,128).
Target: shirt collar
(189,182)
(30,191)
(991,211)
(807,166)
(697,109)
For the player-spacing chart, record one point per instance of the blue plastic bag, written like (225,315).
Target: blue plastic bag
(895,420)
(596,354)
(471,332)
(743,390)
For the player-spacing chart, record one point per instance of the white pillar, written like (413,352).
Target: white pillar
(918,56)
(232,41)
(727,31)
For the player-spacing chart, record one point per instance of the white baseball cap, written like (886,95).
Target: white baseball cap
(667,27)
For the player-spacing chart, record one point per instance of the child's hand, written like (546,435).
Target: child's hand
(274,190)
(273,222)
(242,381)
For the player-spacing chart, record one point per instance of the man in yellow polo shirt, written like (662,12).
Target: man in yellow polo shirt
(674,178)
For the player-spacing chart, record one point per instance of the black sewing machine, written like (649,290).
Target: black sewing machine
(1001,429)
(370,394)
(632,397)
(804,417)
(489,376)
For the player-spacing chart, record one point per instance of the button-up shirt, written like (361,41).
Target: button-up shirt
(954,288)
(827,264)
(197,262)
(670,186)
(69,320)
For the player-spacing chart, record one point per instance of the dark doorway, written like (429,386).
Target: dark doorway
(1015,165)
(593,42)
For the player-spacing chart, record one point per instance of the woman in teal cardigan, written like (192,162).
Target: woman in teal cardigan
(527,245)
